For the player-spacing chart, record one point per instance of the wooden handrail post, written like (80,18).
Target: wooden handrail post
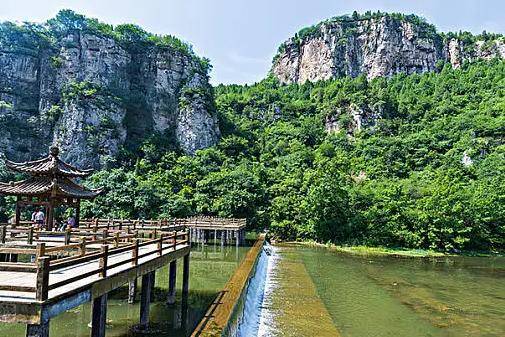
(82,246)
(135,252)
(94,233)
(41,250)
(30,235)
(116,240)
(3,233)
(160,245)
(105,234)
(42,278)
(102,264)
(67,235)
(175,240)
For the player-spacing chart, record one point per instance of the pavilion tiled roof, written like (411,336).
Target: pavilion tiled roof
(51,165)
(49,176)
(40,185)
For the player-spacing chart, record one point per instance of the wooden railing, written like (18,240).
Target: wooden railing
(109,246)
(211,222)
(33,235)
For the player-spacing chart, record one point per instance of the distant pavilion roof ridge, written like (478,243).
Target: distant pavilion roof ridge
(51,164)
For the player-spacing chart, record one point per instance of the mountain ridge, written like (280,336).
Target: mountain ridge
(377,44)
(98,91)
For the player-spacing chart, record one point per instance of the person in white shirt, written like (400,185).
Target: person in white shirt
(39,217)
(33,215)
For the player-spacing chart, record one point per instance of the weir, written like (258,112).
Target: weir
(238,299)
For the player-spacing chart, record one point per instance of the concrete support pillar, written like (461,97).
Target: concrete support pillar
(237,241)
(153,283)
(172,277)
(145,300)
(185,278)
(99,316)
(215,236)
(132,291)
(37,330)
(222,239)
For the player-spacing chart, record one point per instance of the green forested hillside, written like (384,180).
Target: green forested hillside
(429,173)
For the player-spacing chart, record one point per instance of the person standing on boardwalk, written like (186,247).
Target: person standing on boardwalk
(39,218)
(33,216)
(71,221)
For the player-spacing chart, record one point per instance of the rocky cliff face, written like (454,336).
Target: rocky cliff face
(94,93)
(376,45)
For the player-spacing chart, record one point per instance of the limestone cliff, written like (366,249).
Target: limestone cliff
(376,44)
(95,89)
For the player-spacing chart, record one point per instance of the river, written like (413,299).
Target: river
(318,292)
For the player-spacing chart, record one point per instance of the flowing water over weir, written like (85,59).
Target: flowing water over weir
(247,321)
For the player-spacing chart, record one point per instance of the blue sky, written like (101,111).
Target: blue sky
(240,37)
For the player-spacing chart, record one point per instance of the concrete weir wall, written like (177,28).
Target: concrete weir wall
(225,314)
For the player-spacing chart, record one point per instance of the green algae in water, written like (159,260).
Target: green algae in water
(210,269)
(381,296)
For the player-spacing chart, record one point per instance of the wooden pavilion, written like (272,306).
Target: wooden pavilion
(51,184)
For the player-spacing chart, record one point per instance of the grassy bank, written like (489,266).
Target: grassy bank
(392,252)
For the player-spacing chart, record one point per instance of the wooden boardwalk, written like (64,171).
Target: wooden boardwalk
(65,273)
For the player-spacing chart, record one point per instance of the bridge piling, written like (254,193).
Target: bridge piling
(145,300)
(153,283)
(172,277)
(185,278)
(132,290)
(37,330)
(99,316)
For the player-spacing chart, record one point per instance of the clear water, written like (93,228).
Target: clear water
(210,269)
(317,292)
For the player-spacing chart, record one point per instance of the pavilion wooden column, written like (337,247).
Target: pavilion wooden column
(50,215)
(18,212)
(77,213)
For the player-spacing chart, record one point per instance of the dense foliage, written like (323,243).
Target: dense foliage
(426,170)
(428,173)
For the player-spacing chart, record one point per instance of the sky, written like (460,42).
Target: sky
(240,37)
